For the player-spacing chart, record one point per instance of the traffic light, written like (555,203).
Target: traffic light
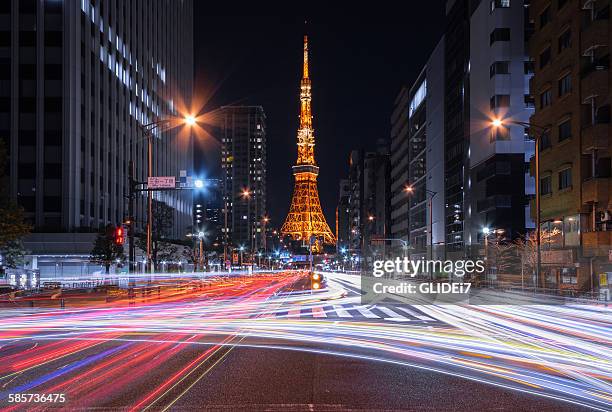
(119,235)
(315,280)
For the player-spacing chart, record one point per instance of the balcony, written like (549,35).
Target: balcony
(593,35)
(595,83)
(595,137)
(596,190)
(596,243)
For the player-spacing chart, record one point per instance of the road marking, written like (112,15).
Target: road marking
(392,315)
(365,312)
(343,313)
(294,313)
(415,314)
(318,312)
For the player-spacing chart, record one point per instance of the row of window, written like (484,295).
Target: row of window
(564,86)
(564,41)
(564,181)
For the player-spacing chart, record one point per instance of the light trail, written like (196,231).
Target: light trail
(560,352)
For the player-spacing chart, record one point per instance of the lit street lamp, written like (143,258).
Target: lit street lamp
(540,132)
(410,190)
(148,131)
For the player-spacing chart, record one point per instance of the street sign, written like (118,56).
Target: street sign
(161,182)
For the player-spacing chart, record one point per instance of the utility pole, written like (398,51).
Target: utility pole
(131,200)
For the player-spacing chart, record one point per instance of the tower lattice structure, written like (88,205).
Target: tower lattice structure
(305,218)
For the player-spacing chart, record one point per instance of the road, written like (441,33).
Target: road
(267,342)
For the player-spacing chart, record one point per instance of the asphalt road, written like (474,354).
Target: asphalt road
(268,343)
(260,379)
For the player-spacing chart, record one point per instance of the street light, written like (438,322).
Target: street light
(148,130)
(540,132)
(410,190)
(198,183)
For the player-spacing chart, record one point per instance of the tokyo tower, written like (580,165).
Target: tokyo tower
(305,218)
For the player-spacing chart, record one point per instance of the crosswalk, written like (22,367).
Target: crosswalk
(354,312)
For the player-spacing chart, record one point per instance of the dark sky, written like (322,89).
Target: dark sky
(357,66)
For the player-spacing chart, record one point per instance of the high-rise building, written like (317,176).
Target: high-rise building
(456,122)
(572,89)
(498,180)
(426,155)
(376,201)
(208,211)
(77,80)
(342,216)
(243,159)
(399,166)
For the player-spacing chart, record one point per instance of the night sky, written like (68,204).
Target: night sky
(357,66)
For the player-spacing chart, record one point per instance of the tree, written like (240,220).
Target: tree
(105,251)
(161,228)
(12,221)
(13,254)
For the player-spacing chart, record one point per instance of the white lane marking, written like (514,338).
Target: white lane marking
(343,313)
(318,312)
(365,312)
(415,314)
(392,315)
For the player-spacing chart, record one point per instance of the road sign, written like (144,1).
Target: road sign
(161,182)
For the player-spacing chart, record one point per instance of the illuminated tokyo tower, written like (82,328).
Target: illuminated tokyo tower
(305,218)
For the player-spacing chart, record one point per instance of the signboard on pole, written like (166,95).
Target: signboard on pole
(161,182)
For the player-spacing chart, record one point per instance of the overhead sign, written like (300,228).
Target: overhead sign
(161,182)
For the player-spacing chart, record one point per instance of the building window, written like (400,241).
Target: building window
(545,17)
(500,100)
(500,133)
(500,34)
(565,178)
(529,102)
(565,40)
(499,4)
(546,185)
(499,68)
(529,67)
(565,130)
(545,98)
(565,85)
(560,4)
(545,57)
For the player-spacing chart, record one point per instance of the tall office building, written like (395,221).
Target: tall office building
(426,155)
(399,166)
(456,121)
(243,159)
(498,180)
(572,89)
(208,211)
(77,79)
(342,216)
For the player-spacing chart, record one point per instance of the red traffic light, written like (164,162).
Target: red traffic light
(119,236)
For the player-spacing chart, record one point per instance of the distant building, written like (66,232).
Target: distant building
(243,159)
(77,80)
(376,202)
(364,204)
(342,216)
(572,89)
(208,214)
(399,167)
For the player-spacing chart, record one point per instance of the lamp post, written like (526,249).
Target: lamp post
(431,194)
(246,194)
(540,132)
(200,236)
(148,130)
